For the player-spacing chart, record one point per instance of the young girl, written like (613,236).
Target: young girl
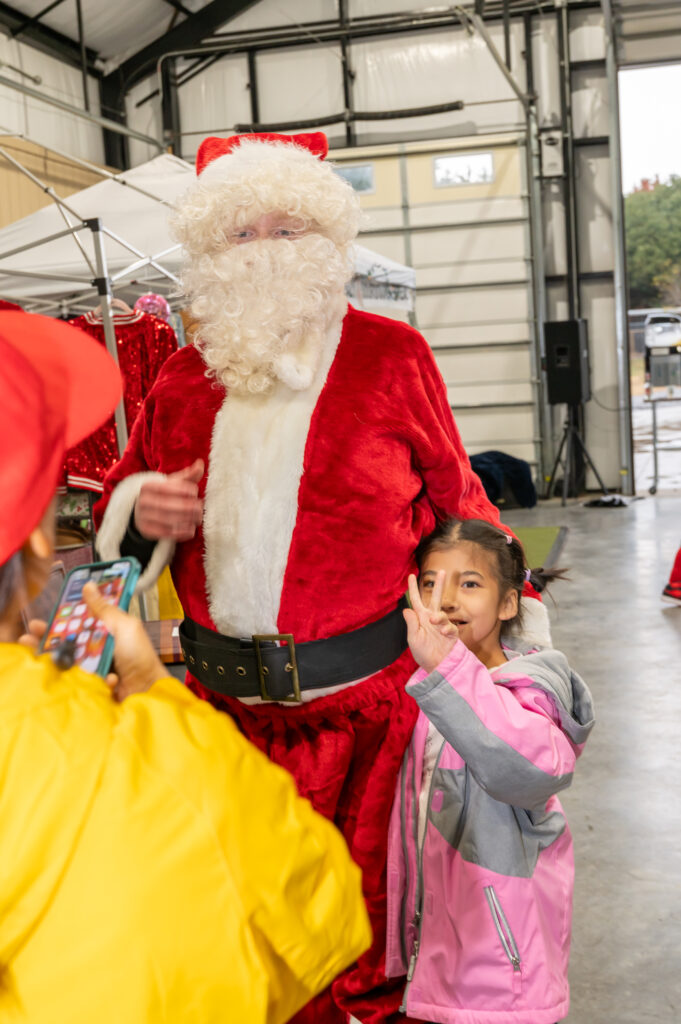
(480,866)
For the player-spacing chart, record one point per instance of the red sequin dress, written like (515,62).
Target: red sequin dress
(144,344)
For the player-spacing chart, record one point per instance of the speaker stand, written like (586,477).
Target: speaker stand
(570,440)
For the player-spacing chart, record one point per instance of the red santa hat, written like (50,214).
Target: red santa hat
(212,149)
(261,173)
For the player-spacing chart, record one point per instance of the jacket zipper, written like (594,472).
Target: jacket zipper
(417,920)
(403,832)
(464,809)
(504,932)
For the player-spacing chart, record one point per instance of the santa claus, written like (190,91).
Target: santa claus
(286,465)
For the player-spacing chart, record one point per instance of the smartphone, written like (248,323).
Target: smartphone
(71,627)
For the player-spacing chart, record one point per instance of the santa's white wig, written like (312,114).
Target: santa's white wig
(257,175)
(264,309)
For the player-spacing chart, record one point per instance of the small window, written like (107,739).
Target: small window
(463,169)
(360,176)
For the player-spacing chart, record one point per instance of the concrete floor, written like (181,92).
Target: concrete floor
(624,807)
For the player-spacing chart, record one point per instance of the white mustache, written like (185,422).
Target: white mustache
(261,300)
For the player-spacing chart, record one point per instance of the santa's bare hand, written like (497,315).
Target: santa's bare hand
(171,507)
(430,634)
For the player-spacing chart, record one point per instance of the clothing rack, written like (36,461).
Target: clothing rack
(99,283)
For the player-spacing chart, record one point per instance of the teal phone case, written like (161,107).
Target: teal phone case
(106,658)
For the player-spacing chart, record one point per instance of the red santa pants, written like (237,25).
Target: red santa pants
(345,751)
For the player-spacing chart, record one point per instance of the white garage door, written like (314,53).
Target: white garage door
(457,212)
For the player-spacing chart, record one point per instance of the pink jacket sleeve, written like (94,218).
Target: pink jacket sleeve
(521,737)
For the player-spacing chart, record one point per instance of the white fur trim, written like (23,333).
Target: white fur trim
(536,626)
(251,504)
(115,523)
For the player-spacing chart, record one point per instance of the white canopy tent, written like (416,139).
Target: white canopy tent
(43,263)
(113,238)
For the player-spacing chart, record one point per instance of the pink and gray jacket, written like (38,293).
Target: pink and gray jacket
(480,897)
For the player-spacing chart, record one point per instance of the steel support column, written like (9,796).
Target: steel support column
(170,108)
(569,182)
(621,290)
(253,87)
(83,54)
(348,74)
(111,102)
(543,418)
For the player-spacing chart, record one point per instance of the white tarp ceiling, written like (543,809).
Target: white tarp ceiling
(140,219)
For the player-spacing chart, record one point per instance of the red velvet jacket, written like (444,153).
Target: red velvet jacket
(382,457)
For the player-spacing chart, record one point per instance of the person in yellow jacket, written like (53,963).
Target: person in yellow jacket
(154,866)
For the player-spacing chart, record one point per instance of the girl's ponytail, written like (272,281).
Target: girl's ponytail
(540,578)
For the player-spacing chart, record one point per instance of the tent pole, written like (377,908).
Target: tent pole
(103,283)
(42,276)
(145,261)
(137,252)
(61,205)
(43,241)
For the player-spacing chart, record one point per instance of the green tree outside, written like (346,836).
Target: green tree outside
(653,233)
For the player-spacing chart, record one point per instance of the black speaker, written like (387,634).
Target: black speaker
(567,361)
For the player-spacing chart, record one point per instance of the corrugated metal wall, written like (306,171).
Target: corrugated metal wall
(477,272)
(28,116)
(468,241)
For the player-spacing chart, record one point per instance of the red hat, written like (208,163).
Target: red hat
(212,148)
(57,385)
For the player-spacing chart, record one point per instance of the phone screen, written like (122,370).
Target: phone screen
(73,622)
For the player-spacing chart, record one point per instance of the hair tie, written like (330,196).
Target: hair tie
(509,538)
(528,573)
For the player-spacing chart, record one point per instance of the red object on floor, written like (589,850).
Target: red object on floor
(344,751)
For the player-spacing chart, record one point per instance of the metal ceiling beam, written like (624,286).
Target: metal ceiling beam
(35,19)
(185,35)
(179,7)
(48,40)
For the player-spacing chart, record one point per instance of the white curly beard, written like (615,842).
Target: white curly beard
(264,309)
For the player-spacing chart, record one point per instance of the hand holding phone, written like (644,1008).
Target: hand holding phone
(75,634)
(136,663)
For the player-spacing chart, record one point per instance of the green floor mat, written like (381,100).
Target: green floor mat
(543,544)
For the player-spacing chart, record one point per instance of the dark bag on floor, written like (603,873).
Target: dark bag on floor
(503,475)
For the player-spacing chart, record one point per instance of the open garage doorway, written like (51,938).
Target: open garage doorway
(651,177)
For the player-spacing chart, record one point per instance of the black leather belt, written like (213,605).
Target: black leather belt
(260,666)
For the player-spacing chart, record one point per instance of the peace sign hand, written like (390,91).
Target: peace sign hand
(430,634)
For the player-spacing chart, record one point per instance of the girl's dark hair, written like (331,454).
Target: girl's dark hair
(508,556)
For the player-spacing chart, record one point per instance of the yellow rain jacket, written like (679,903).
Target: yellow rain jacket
(154,866)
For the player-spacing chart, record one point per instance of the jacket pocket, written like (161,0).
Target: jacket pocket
(505,934)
